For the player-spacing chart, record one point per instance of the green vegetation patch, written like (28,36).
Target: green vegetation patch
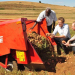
(2,8)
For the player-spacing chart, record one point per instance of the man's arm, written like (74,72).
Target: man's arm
(73,38)
(62,36)
(34,25)
(53,36)
(39,19)
(68,42)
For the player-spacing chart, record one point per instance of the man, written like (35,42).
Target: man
(63,30)
(72,39)
(50,18)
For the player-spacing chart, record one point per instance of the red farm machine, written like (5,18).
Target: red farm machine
(15,47)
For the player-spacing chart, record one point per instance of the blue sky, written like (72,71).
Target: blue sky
(70,3)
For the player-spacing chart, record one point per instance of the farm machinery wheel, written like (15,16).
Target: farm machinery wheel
(12,64)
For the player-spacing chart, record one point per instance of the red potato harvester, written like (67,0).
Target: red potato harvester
(15,47)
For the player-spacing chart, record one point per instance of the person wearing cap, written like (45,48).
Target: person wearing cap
(71,42)
(50,16)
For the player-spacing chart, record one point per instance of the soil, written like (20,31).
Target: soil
(67,67)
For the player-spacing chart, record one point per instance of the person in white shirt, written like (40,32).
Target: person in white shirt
(71,42)
(50,18)
(64,34)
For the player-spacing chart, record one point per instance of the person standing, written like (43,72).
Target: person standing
(50,18)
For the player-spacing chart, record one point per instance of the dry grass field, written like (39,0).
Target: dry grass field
(31,10)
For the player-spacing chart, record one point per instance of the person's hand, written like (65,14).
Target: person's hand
(67,44)
(48,34)
(52,36)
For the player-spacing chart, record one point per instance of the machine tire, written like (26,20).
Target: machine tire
(12,66)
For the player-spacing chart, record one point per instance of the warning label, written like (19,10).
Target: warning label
(20,55)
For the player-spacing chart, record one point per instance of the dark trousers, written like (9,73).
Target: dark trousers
(73,47)
(59,44)
(49,28)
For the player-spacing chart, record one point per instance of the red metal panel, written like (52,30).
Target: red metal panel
(2,20)
(30,23)
(6,60)
(32,55)
(4,49)
(6,19)
(13,36)
(3,65)
(40,28)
